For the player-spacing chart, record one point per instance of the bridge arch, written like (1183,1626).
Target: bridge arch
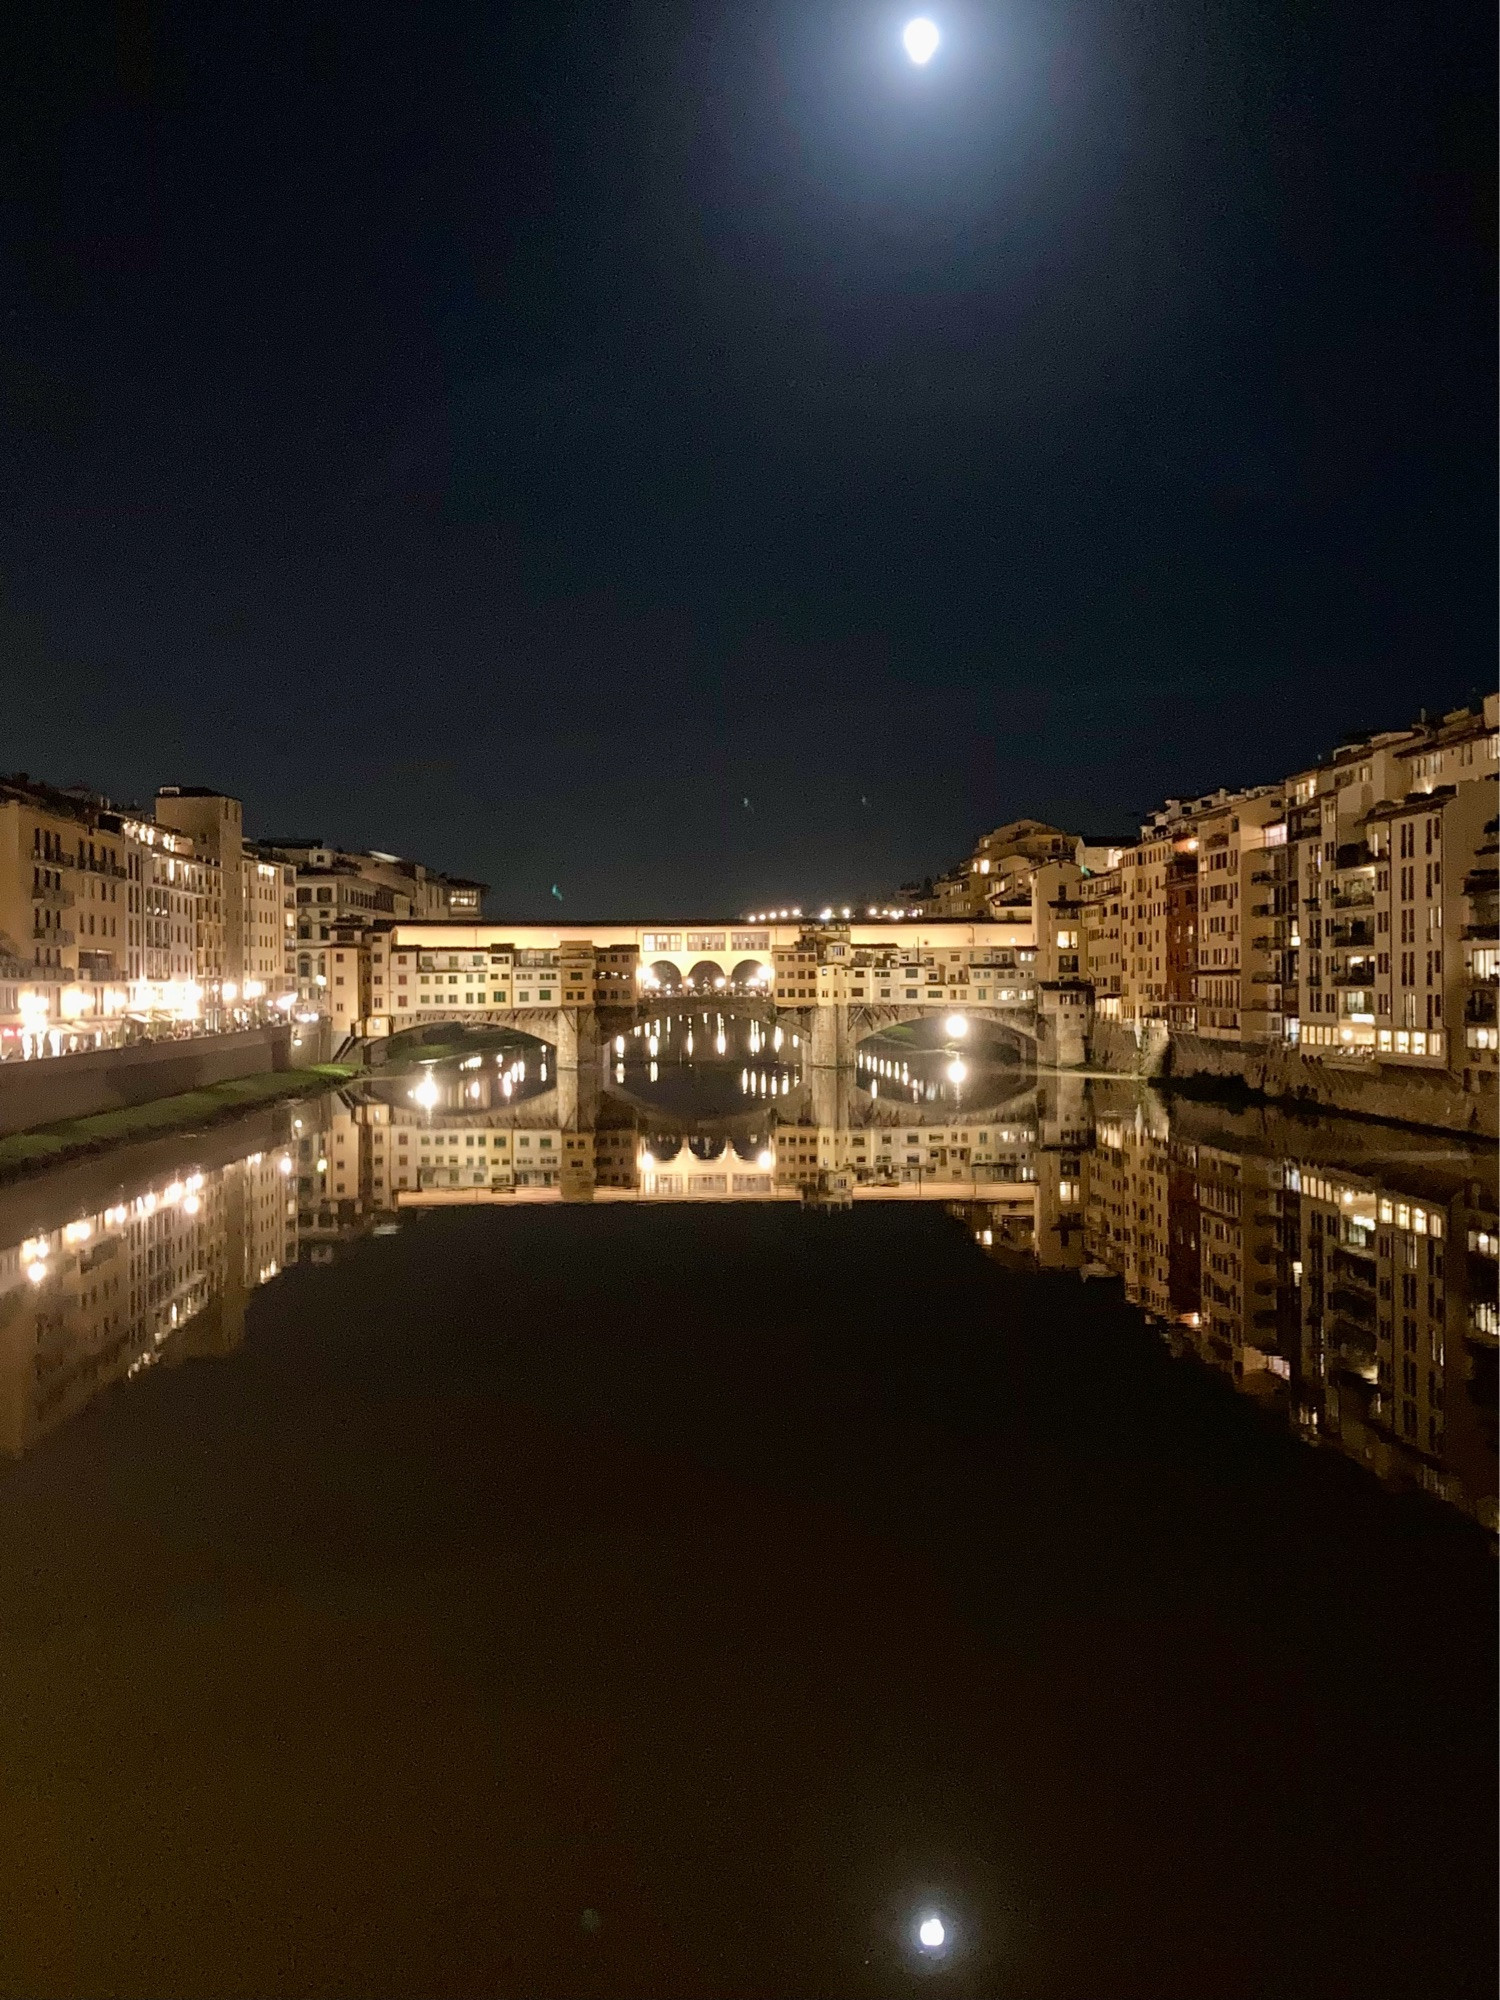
(992,1028)
(707,976)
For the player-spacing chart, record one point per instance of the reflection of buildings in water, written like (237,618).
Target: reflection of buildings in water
(1126,1208)
(163,1273)
(1358,1297)
(1393,1347)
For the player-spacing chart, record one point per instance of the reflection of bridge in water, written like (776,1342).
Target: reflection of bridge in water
(457,1134)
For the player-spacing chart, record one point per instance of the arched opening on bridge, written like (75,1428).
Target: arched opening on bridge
(706,977)
(955,1032)
(664,1146)
(751,975)
(662,976)
(433,1040)
(751,1146)
(706,1145)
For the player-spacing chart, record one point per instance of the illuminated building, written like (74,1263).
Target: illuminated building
(1480,935)
(71,880)
(337,886)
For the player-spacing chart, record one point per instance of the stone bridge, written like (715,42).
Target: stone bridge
(839,982)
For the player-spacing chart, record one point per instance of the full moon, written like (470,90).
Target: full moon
(930,1933)
(921,39)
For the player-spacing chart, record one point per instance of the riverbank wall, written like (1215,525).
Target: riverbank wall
(1394,1093)
(54,1088)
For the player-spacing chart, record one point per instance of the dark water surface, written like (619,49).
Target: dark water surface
(686,1597)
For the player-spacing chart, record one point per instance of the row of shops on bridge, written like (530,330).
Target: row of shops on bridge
(387,978)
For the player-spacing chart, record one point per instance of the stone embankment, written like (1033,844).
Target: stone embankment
(53,1088)
(1396,1093)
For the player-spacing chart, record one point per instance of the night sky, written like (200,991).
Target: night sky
(518,435)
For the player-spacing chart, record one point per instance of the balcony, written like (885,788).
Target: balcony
(1479,1008)
(51,937)
(1358,896)
(1352,1263)
(1356,1305)
(1361,976)
(1352,930)
(53,899)
(1354,854)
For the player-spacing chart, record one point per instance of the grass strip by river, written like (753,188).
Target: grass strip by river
(45,1145)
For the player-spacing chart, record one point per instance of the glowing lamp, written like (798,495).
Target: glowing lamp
(920,39)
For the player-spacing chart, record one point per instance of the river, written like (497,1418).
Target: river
(715,1527)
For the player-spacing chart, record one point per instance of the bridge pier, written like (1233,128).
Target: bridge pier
(828,1088)
(828,1043)
(577,1043)
(577,1058)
